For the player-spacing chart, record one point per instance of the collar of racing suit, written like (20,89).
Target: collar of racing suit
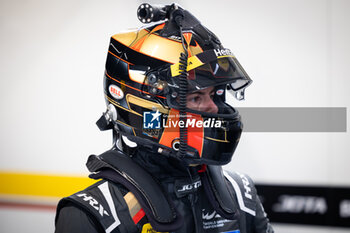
(162,167)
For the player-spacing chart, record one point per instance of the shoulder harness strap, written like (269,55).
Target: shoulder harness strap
(225,189)
(218,192)
(157,206)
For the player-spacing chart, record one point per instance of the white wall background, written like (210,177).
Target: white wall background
(52,62)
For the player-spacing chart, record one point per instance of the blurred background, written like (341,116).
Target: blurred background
(52,63)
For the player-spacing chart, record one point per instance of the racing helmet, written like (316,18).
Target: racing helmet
(150,71)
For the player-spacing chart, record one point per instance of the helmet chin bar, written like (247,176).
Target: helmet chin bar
(218,156)
(158,148)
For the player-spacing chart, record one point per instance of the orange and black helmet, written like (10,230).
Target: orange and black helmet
(144,82)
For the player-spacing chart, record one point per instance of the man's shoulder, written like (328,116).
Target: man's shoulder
(105,202)
(71,218)
(244,190)
(242,179)
(96,196)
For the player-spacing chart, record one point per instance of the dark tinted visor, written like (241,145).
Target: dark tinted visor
(212,68)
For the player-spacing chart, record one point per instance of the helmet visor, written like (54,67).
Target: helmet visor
(211,68)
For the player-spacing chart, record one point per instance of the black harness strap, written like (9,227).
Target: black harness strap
(217,191)
(159,209)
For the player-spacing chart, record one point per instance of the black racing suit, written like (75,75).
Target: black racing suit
(110,207)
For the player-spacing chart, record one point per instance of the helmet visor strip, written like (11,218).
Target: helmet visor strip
(212,68)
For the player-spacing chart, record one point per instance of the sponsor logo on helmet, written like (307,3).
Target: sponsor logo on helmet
(220,92)
(222,52)
(116,92)
(177,38)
